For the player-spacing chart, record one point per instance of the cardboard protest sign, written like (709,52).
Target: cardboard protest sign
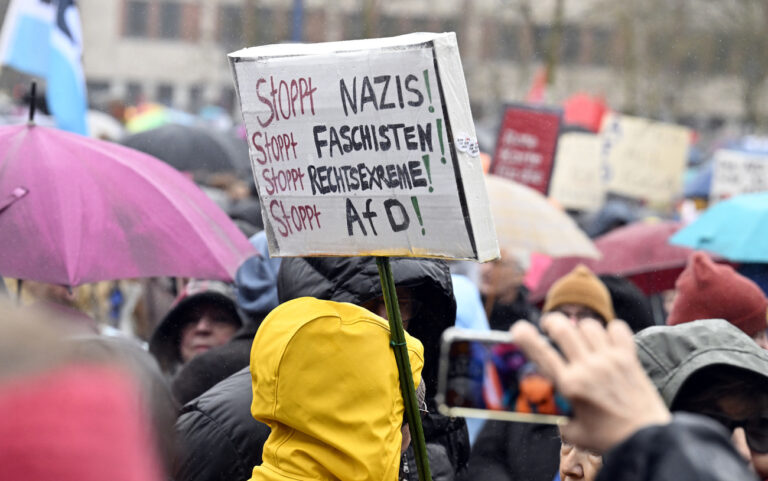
(737,173)
(643,158)
(577,181)
(365,147)
(526,144)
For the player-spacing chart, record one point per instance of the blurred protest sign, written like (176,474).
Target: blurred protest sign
(577,181)
(365,147)
(737,173)
(525,147)
(643,158)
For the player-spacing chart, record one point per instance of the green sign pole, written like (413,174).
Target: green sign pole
(397,336)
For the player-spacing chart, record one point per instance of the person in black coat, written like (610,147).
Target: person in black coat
(211,427)
(256,291)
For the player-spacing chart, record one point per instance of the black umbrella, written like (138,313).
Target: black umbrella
(193,149)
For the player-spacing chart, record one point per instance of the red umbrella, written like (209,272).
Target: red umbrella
(75,210)
(639,251)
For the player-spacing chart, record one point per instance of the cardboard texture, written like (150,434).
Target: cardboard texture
(577,182)
(365,147)
(644,159)
(738,173)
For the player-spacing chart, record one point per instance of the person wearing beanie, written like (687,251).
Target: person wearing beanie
(527,450)
(580,294)
(204,316)
(707,290)
(256,295)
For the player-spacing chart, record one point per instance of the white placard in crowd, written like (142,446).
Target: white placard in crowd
(577,181)
(643,158)
(737,173)
(365,147)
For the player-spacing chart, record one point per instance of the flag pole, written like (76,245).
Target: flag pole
(32,103)
(397,341)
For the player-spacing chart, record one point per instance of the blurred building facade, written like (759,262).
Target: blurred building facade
(174,51)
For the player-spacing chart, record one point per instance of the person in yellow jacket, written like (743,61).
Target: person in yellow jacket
(325,381)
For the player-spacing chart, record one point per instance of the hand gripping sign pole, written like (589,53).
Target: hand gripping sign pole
(367,148)
(397,340)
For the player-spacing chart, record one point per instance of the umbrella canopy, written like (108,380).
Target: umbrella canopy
(192,149)
(526,222)
(75,210)
(638,251)
(616,212)
(735,228)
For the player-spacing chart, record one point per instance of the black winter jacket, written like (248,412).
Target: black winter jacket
(221,441)
(690,448)
(511,451)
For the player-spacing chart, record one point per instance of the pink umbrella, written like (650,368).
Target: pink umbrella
(75,210)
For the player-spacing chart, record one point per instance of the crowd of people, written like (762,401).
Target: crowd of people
(288,374)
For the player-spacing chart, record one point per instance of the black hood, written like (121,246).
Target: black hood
(165,340)
(356,280)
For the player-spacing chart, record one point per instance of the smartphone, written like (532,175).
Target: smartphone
(484,374)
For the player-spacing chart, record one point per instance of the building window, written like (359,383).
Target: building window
(389,25)
(195,98)
(229,31)
(265,21)
(314,26)
(136,19)
(602,40)
(134,93)
(170,20)
(541,41)
(228,99)
(509,45)
(353,26)
(165,94)
(98,92)
(570,44)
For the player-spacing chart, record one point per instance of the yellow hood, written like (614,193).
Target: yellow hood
(325,381)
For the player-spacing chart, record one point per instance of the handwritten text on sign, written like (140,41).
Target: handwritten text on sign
(738,173)
(351,153)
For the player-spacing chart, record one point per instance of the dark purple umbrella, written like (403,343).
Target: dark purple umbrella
(75,210)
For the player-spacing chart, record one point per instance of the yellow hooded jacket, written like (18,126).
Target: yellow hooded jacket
(326,382)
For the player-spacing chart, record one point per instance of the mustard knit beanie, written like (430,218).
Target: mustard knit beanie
(581,286)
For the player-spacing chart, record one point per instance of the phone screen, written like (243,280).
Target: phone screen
(486,375)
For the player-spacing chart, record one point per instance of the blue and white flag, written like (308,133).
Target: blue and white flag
(44,38)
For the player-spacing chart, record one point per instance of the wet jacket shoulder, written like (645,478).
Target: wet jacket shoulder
(506,451)
(690,448)
(219,440)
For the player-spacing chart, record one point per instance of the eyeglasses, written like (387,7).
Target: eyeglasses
(579,313)
(756,429)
